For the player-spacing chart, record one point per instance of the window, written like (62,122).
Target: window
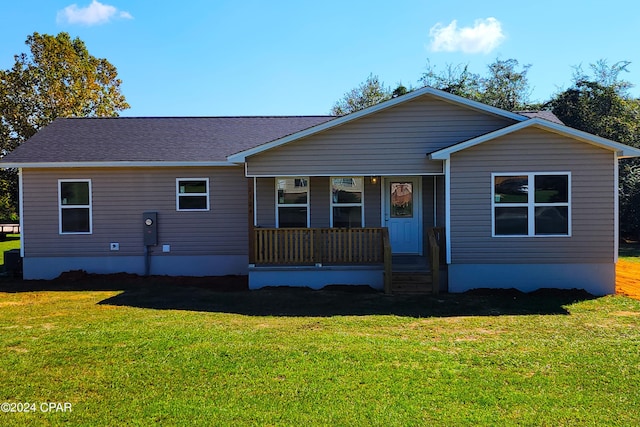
(346,202)
(192,194)
(401,200)
(532,204)
(74,199)
(292,202)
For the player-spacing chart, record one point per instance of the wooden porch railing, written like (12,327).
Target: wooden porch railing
(300,246)
(436,239)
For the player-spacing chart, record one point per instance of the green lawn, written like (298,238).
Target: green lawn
(159,354)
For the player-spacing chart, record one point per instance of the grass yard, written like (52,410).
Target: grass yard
(158,354)
(128,352)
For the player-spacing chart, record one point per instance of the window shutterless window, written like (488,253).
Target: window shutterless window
(531,204)
(74,202)
(292,202)
(347,202)
(192,194)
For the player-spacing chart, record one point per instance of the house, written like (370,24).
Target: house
(510,199)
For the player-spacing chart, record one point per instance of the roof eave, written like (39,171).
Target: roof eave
(117,164)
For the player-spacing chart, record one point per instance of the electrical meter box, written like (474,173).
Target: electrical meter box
(150,227)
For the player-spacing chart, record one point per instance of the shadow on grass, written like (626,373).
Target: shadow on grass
(230,295)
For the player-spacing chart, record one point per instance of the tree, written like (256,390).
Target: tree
(457,80)
(400,90)
(600,103)
(505,87)
(368,93)
(58,78)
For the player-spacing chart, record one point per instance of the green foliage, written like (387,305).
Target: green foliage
(630,198)
(368,93)
(506,86)
(400,90)
(600,104)
(8,195)
(457,80)
(58,78)
(456,360)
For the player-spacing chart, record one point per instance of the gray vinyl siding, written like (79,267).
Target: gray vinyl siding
(427,202)
(372,203)
(533,150)
(120,196)
(394,141)
(266,202)
(319,201)
(441,208)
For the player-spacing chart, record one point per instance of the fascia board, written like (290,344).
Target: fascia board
(124,164)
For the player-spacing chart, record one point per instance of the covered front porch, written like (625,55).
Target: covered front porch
(384,232)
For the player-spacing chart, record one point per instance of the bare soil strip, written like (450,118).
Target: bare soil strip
(628,278)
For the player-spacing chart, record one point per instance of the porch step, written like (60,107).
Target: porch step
(411,282)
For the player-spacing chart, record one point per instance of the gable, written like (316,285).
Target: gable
(533,150)
(392,141)
(550,128)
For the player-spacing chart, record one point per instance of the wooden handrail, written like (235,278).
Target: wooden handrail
(386,248)
(435,236)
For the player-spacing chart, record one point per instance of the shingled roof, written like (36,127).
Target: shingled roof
(154,139)
(543,114)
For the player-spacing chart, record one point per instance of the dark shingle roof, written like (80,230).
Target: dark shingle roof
(543,114)
(155,139)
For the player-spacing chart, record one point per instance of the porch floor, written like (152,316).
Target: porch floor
(412,263)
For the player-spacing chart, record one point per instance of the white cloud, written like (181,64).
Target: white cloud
(94,14)
(483,37)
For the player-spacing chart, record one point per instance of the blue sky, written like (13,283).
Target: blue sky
(244,57)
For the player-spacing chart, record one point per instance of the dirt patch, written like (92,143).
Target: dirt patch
(628,278)
(81,280)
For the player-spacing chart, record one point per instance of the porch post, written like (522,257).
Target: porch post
(250,220)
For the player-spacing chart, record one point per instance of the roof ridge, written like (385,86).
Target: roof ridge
(200,117)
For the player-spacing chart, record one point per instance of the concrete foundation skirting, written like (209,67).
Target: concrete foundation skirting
(316,277)
(597,279)
(47,268)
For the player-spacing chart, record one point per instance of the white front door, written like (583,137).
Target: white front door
(402,214)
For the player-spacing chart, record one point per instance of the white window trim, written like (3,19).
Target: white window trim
(178,194)
(530,205)
(61,207)
(294,205)
(346,205)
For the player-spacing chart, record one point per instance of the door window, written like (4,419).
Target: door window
(401,200)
